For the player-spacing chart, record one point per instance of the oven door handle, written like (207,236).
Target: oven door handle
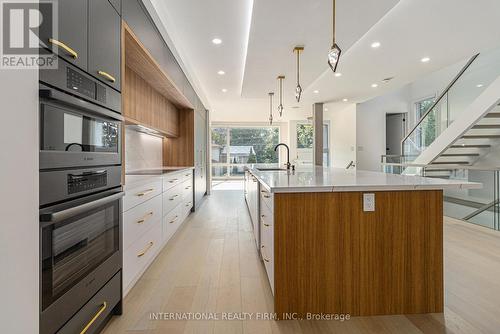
(59,216)
(52,94)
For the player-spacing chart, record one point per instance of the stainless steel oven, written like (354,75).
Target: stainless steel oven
(80,201)
(75,133)
(80,251)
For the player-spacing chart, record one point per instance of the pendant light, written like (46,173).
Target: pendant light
(298,89)
(334,53)
(271,94)
(280,86)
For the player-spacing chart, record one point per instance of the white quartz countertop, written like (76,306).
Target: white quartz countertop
(328,179)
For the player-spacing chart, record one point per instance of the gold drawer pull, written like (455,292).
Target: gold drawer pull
(266,196)
(173,220)
(146,249)
(143,220)
(145,192)
(187,187)
(173,197)
(263,256)
(63,46)
(173,180)
(188,174)
(107,76)
(266,225)
(188,204)
(102,309)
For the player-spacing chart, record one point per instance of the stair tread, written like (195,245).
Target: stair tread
(486,126)
(480,136)
(459,155)
(492,115)
(450,163)
(471,146)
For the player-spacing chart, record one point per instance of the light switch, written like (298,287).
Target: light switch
(368,202)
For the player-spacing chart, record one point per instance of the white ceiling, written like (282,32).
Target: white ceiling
(258,37)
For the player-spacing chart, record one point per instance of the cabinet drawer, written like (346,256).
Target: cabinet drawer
(98,309)
(268,259)
(140,254)
(187,189)
(171,180)
(266,198)
(139,219)
(172,198)
(141,194)
(171,223)
(186,207)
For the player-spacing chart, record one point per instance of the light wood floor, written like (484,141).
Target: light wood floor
(211,265)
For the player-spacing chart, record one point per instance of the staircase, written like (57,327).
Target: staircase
(462,127)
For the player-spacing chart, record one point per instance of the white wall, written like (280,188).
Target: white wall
(19,202)
(342,135)
(370,115)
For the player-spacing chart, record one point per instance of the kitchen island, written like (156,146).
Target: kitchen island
(336,241)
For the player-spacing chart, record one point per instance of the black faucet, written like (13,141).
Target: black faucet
(288,164)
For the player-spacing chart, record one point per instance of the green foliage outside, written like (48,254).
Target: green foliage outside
(263,141)
(305,136)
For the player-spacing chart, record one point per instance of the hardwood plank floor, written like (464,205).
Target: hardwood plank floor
(211,265)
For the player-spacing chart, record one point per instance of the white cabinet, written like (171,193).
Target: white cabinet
(154,209)
(267,238)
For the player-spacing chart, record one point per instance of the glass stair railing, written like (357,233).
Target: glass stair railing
(477,74)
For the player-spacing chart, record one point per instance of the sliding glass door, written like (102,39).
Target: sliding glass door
(235,146)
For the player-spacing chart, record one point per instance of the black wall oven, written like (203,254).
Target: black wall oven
(80,201)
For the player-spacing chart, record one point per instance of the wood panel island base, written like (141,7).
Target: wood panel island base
(325,254)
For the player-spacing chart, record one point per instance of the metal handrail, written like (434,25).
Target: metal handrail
(445,91)
(441,166)
(482,209)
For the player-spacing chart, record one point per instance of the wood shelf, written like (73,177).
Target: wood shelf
(139,60)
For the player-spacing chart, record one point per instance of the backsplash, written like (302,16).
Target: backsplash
(142,150)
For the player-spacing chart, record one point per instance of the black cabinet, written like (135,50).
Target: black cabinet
(71,40)
(104,42)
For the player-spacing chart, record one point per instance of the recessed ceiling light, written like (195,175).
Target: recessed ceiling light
(479,85)
(221,72)
(338,74)
(374,85)
(316,91)
(345,100)
(224,90)
(375,45)
(425,59)
(217,41)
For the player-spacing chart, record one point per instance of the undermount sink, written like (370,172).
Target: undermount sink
(272,169)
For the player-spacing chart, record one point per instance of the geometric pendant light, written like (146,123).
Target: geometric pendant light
(298,89)
(280,86)
(271,94)
(334,53)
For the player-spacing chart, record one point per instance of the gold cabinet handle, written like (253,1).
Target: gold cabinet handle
(107,76)
(145,192)
(148,247)
(96,316)
(143,220)
(188,204)
(266,196)
(187,174)
(63,46)
(187,187)
(173,180)
(266,225)
(263,256)
(173,197)
(173,220)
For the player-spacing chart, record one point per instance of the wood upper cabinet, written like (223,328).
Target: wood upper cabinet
(104,42)
(145,105)
(71,42)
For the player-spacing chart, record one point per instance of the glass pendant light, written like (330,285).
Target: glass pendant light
(271,94)
(334,53)
(298,89)
(280,84)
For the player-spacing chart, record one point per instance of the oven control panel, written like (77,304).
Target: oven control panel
(86,181)
(77,82)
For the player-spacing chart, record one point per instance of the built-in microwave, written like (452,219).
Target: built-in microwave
(77,133)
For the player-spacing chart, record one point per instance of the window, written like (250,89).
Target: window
(305,141)
(234,147)
(427,131)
